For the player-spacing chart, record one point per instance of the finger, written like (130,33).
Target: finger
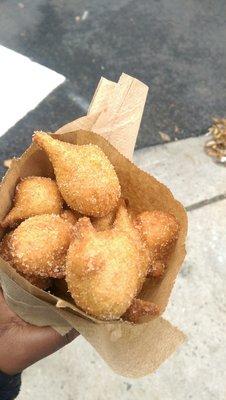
(43,341)
(5,312)
(32,345)
(43,333)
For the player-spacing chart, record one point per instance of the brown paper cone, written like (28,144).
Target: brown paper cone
(102,97)
(115,113)
(99,103)
(120,122)
(131,350)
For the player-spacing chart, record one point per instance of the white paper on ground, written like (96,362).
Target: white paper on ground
(24,84)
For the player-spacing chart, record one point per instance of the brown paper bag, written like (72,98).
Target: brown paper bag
(131,350)
(115,113)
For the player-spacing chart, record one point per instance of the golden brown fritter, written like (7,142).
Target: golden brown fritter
(34,195)
(38,246)
(123,222)
(70,216)
(159,231)
(140,308)
(42,283)
(5,248)
(102,271)
(156,269)
(85,177)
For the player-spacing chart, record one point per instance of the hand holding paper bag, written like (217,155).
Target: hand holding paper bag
(22,344)
(120,343)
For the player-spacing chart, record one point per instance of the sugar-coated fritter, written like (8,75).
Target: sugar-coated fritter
(159,231)
(38,246)
(140,308)
(42,283)
(85,177)
(157,269)
(102,271)
(5,252)
(123,222)
(34,196)
(70,216)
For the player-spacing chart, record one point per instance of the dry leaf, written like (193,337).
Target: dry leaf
(7,163)
(164,136)
(216,146)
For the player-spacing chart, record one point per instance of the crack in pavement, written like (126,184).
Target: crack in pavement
(206,202)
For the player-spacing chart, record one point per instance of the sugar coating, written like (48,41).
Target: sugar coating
(85,177)
(105,270)
(124,223)
(34,196)
(159,231)
(5,252)
(157,269)
(70,216)
(105,267)
(5,247)
(101,272)
(38,246)
(140,308)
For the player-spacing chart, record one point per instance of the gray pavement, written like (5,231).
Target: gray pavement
(197,305)
(177,47)
(184,167)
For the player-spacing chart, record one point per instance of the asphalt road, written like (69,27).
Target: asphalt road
(177,47)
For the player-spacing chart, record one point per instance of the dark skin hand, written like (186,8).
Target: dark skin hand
(22,344)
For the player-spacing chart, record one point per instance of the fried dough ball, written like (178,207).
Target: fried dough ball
(123,222)
(156,269)
(5,247)
(70,216)
(140,308)
(42,283)
(34,195)
(102,271)
(85,177)
(38,246)
(159,231)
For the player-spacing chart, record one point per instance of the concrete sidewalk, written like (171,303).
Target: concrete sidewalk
(176,47)
(197,305)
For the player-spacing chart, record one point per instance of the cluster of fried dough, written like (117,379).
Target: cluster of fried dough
(78,228)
